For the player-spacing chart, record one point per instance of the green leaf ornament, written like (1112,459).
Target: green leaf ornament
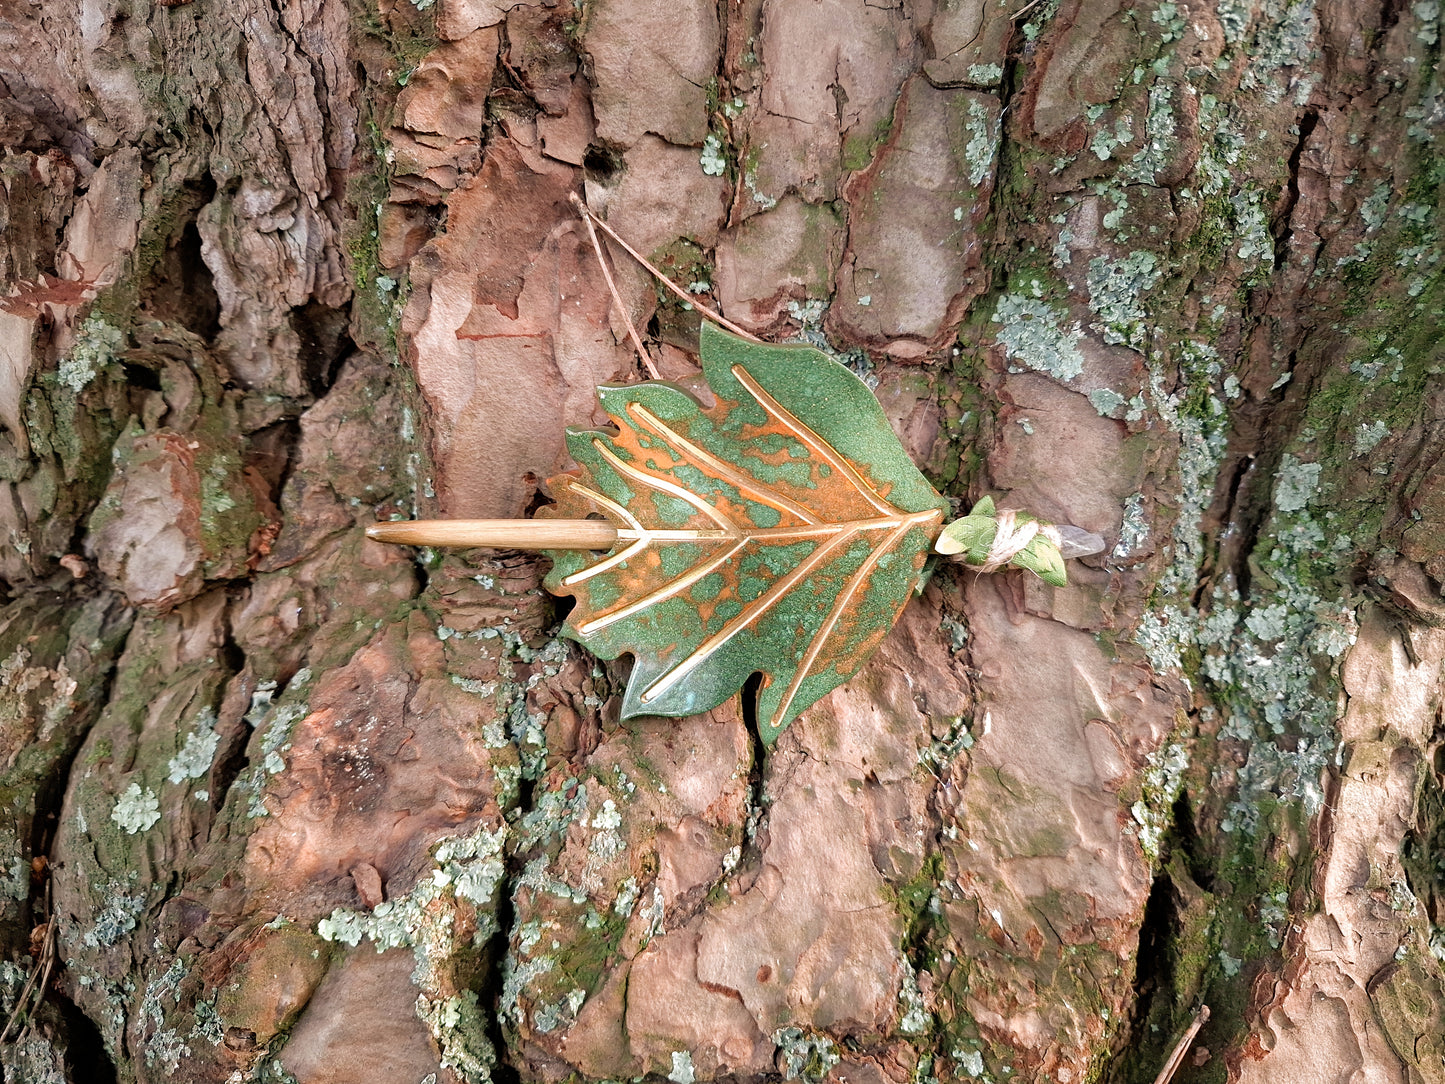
(781,530)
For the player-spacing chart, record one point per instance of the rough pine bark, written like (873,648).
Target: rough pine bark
(297,806)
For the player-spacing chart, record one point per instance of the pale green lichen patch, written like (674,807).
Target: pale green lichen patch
(162,989)
(195,757)
(1222,148)
(208,1025)
(1268,662)
(713,158)
(626,898)
(982,146)
(1134,531)
(1163,780)
(1368,435)
(1170,18)
(96,345)
(116,919)
(166,1047)
(587,895)
(1108,402)
(1114,218)
(519,975)
(1267,623)
(1254,244)
(1170,628)
(969,1063)
(525,729)
(682,1071)
(460,1025)
(1271,660)
(1428,13)
(1296,483)
(805,1056)
(913,1015)
(136,810)
(1159,144)
(1117,289)
(14,868)
(1387,365)
(553,812)
(34,1059)
(1109,139)
(468,867)
(1033,334)
(750,182)
(1274,914)
(1374,207)
(558,1014)
(274,724)
(1041,16)
(1233,19)
(1284,41)
(1270,666)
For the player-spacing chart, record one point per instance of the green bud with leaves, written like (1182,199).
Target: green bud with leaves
(988,540)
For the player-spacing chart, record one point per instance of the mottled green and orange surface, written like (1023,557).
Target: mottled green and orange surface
(750,539)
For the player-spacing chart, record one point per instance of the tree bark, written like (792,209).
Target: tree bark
(295,805)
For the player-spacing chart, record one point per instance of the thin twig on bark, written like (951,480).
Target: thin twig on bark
(717,318)
(612,286)
(44,963)
(1181,1048)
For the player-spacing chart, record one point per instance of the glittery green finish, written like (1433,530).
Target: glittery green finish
(780,531)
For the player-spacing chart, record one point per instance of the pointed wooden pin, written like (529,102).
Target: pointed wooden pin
(508,534)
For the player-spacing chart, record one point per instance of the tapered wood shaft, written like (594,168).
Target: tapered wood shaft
(508,534)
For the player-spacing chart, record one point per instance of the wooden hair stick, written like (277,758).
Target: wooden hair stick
(511,534)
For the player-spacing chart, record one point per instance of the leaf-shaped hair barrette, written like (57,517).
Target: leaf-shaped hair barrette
(780,531)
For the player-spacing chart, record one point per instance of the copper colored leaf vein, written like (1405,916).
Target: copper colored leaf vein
(781,530)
